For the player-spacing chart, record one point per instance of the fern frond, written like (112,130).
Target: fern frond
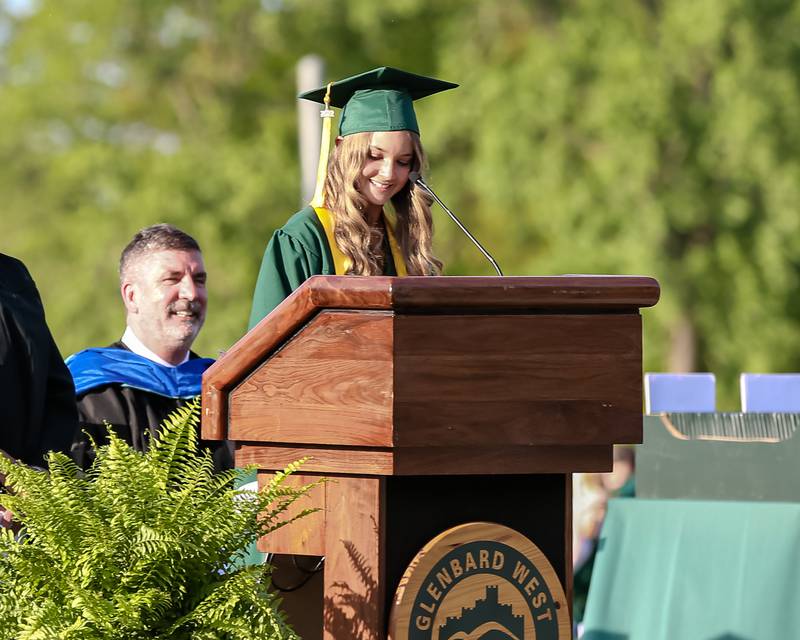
(177,443)
(140,546)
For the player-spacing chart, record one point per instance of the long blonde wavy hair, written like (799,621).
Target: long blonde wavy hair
(414,227)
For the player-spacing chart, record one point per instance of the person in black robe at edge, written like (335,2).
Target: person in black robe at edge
(37,411)
(137,382)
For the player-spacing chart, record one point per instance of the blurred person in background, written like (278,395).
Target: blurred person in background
(621,481)
(591,493)
(589,500)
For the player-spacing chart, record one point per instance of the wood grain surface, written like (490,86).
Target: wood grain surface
(455,460)
(525,380)
(327,460)
(248,352)
(489,293)
(331,384)
(485,295)
(525,292)
(348,532)
(500,460)
(305,536)
(355,585)
(378,380)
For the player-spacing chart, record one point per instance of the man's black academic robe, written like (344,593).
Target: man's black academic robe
(135,415)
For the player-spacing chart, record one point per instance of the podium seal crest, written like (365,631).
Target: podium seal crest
(480,581)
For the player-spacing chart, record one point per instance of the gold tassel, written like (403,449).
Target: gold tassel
(324,150)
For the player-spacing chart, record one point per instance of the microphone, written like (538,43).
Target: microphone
(417,180)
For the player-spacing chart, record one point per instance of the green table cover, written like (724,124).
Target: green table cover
(696,468)
(684,570)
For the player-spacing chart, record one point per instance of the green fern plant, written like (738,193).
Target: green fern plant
(141,546)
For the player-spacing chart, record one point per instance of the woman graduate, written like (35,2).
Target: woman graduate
(346,230)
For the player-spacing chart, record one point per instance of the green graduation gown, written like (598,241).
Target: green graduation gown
(297,251)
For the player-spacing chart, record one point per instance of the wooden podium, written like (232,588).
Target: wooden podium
(431,402)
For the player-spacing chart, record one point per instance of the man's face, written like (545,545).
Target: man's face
(165,294)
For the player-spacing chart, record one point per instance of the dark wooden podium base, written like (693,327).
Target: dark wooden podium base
(346,601)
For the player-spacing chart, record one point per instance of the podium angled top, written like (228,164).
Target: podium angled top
(472,292)
(522,326)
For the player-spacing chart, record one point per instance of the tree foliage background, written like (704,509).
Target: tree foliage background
(655,137)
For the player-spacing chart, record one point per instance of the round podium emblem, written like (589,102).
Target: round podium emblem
(480,581)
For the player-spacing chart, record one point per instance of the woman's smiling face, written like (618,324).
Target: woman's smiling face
(385,173)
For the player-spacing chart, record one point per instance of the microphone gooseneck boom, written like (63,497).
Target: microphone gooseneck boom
(416,178)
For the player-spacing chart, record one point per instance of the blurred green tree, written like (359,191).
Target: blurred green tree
(119,115)
(639,136)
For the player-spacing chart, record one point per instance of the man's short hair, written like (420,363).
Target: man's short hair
(157,237)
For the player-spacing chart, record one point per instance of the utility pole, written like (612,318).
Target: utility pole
(310,75)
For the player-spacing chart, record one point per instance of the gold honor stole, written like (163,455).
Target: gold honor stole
(341,262)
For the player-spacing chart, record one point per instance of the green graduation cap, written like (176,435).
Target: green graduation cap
(378,100)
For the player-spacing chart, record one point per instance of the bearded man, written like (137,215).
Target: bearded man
(135,383)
